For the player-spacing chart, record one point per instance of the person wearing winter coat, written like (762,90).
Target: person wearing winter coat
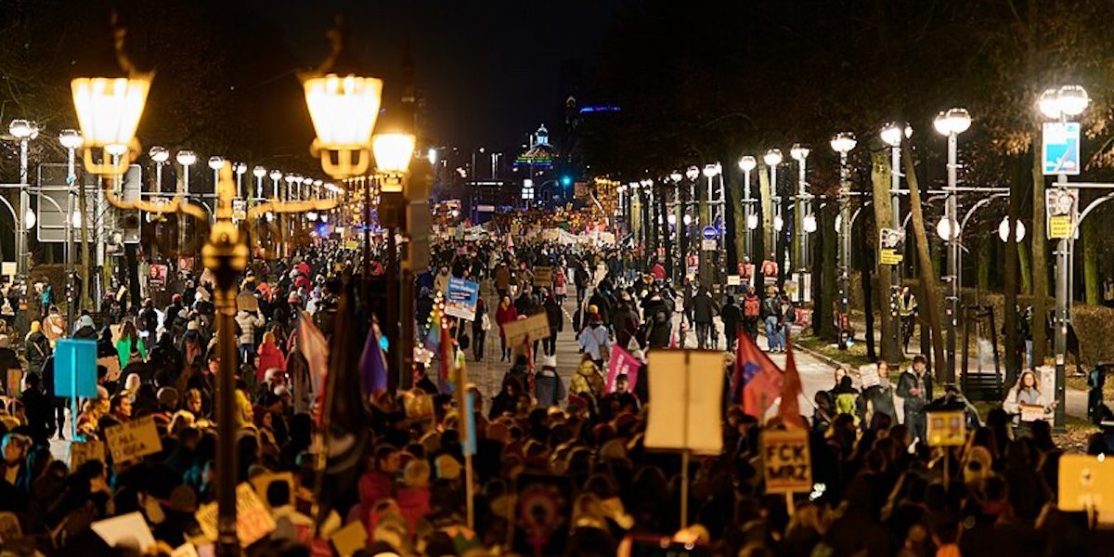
(36,348)
(556,318)
(593,339)
(587,383)
(704,310)
(505,313)
(732,316)
(915,388)
(879,398)
(248,322)
(270,356)
(549,389)
(130,345)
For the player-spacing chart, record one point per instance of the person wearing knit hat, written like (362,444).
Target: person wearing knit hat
(548,387)
(448,468)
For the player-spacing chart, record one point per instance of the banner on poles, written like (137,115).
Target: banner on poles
(786,461)
(687,389)
(75,368)
(461,299)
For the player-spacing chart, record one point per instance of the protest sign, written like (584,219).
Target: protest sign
(14,382)
(946,429)
(868,375)
(786,461)
(246,301)
(156,276)
(135,439)
(622,363)
(543,277)
(350,539)
(263,481)
(125,530)
(112,364)
(80,453)
(687,389)
(253,521)
(1086,483)
(75,368)
(536,327)
(461,299)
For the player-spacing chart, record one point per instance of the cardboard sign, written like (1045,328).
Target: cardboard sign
(622,363)
(687,389)
(80,453)
(536,327)
(868,375)
(946,429)
(10,529)
(786,461)
(351,245)
(543,276)
(253,520)
(1086,483)
(247,301)
(135,439)
(75,368)
(128,529)
(461,299)
(734,280)
(261,482)
(112,364)
(350,539)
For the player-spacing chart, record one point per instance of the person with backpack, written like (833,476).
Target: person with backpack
(846,398)
(752,313)
(594,339)
(772,316)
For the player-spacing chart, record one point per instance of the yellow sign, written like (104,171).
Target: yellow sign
(946,429)
(1059,227)
(536,327)
(253,520)
(786,461)
(1086,483)
(351,245)
(890,257)
(135,439)
(80,453)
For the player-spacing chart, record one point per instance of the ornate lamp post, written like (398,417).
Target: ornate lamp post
(950,124)
(843,143)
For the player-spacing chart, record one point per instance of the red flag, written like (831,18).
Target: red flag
(790,409)
(757,376)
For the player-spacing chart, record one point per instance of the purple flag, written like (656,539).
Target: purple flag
(373,364)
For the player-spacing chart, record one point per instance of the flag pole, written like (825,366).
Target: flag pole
(462,396)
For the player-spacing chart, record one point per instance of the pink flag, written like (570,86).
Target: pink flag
(790,409)
(622,362)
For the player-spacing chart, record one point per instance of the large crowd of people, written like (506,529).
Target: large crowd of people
(555,468)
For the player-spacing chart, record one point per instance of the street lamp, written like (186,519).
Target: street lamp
(71,140)
(159,156)
(275,176)
(240,169)
(108,111)
(843,143)
(23,131)
(747,164)
(215,163)
(1060,104)
(393,152)
(893,134)
(259,172)
(344,108)
(1004,230)
(950,124)
(772,158)
(804,209)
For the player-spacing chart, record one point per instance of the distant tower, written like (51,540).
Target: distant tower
(409,91)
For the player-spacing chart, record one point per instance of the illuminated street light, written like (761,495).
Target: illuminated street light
(393,153)
(1004,230)
(950,123)
(843,143)
(1067,101)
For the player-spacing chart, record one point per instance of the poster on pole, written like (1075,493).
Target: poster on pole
(786,461)
(891,246)
(1060,148)
(687,389)
(156,276)
(1061,207)
(461,299)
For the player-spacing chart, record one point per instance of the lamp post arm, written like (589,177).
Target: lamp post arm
(276,206)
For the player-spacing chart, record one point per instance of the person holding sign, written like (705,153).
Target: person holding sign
(1026,402)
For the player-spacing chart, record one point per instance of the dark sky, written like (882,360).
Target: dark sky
(489,69)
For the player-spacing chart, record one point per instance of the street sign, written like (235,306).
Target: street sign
(1061,208)
(52,199)
(709,233)
(708,245)
(891,245)
(1060,152)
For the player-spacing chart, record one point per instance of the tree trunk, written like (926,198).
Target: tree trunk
(1092,284)
(883,218)
(739,219)
(824,250)
(1025,272)
(765,193)
(982,269)
(930,289)
(1040,257)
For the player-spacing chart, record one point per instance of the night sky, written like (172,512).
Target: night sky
(490,70)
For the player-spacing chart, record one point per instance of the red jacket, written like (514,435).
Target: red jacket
(269,357)
(505,315)
(413,502)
